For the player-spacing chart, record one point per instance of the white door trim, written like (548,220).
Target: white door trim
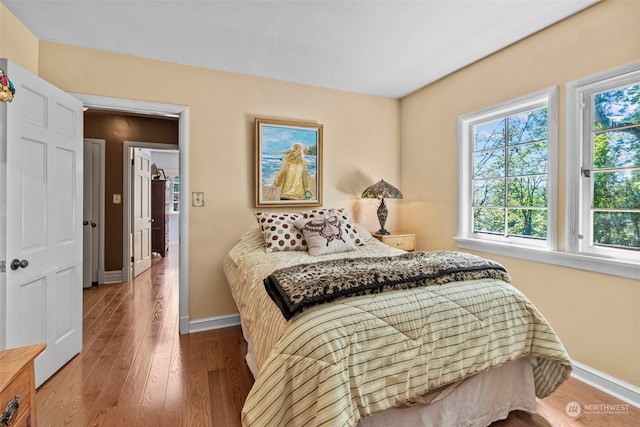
(182,112)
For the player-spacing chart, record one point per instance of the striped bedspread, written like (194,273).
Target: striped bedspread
(338,362)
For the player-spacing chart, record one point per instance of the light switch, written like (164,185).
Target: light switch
(117,199)
(197,199)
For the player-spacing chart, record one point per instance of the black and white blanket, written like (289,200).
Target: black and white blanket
(300,286)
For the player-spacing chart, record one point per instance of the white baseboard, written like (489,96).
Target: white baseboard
(217,322)
(612,386)
(114,276)
(184,325)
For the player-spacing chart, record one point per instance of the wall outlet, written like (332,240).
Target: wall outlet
(197,199)
(117,199)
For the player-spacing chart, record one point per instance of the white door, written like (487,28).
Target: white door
(92,212)
(43,220)
(141,199)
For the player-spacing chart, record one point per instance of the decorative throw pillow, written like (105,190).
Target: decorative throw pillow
(348,228)
(280,233)
(324,235)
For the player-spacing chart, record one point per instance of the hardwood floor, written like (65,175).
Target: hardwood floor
(136,370)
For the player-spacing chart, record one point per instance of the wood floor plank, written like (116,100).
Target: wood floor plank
(84,372)
(164,319)
(135,369)
(223,411)
(139,360)
(93,320)
(112,390)
(198,399)
(174,410)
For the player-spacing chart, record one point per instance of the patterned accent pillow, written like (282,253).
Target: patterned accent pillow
(324,235)
(280,234)
(348,228)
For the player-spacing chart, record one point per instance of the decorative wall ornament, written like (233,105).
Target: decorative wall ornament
(7,90)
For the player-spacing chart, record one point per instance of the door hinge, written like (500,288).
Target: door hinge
(586,173)
(3,266)
(131,259)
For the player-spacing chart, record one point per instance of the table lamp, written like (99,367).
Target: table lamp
(382,190)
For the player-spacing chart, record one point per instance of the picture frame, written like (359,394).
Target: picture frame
(288,163)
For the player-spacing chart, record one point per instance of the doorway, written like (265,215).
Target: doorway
(182,113)
(132,240)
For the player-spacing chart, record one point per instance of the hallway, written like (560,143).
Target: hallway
(136,370)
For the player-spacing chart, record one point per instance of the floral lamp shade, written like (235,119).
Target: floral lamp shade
(382,190)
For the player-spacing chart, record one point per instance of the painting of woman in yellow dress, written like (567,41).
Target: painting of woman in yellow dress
(288,163)
(292,178)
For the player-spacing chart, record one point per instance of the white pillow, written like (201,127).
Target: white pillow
(348,228)
(324,235)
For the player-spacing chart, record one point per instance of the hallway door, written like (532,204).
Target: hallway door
(43,207)
(141,200)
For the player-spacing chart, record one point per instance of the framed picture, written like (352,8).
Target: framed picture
(288,163)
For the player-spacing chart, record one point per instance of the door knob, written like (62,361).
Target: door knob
(16,264)
(93,224)
(85,222)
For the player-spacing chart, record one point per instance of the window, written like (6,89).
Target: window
(507,176)
(507,172)
(176,194)
(606,143)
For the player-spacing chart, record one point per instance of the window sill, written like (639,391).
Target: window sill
(629,270)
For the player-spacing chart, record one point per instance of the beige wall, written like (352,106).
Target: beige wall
(361,143)
(597,316)
(17,42)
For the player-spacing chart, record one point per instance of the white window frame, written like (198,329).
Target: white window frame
(579,155)
(479,241)
(568,255)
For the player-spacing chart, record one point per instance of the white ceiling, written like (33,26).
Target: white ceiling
(386,47)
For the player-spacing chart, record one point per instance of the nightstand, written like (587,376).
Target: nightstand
(406,242)
(17,386)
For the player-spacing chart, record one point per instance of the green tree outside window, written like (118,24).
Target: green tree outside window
(510,175)
(616,168)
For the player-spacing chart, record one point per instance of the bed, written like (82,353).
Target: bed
(460,352)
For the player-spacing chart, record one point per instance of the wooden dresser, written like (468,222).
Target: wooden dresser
(159,217)
(18,386)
